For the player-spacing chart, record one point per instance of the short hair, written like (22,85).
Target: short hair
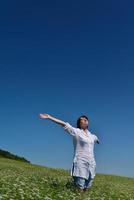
(78,120)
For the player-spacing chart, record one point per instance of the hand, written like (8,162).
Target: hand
(44,116)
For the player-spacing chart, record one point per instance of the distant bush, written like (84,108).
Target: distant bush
(7,154)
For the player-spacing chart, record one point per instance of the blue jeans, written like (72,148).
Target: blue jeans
(82,182)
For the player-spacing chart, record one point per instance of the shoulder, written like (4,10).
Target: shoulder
(71,129)
(68,125)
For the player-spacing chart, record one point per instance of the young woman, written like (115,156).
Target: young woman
(84,166)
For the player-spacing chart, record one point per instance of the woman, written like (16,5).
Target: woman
(84,166)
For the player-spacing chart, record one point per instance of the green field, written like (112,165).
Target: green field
(20,180)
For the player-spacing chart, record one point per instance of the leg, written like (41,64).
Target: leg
(85,189)
(79,182)
(80,190)
(88,183)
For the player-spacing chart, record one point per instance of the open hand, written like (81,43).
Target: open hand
(44,116)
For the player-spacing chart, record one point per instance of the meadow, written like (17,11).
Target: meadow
(25,181)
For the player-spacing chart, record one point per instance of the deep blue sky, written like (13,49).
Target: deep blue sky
(67,59)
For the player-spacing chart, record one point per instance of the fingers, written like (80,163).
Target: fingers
(44,116)
(41,115)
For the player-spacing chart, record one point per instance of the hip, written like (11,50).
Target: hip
(81,159)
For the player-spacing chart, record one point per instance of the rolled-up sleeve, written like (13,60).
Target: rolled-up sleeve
(70,129)
(96,139)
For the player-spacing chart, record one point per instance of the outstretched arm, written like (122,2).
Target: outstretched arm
(67,127)
(47,116)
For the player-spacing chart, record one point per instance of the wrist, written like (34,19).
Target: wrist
(49,117)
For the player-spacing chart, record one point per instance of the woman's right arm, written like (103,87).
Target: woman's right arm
(47,116)
(67,127)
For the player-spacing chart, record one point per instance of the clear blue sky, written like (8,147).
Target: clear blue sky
(67,59)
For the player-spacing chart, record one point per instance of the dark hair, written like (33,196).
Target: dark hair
(78,120)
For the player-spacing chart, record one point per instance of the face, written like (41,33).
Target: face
(83,122)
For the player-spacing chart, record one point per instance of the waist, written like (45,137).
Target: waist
(87,158)
(84,154)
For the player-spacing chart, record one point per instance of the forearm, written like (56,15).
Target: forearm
(57,120)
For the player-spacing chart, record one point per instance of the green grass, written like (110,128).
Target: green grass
(20,180)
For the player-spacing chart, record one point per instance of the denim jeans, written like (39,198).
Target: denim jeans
(82,182)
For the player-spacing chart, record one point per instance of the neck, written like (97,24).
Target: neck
(85,130)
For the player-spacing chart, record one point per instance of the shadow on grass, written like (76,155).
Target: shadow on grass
(68,185)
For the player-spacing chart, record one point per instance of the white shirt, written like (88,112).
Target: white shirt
(83,159)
